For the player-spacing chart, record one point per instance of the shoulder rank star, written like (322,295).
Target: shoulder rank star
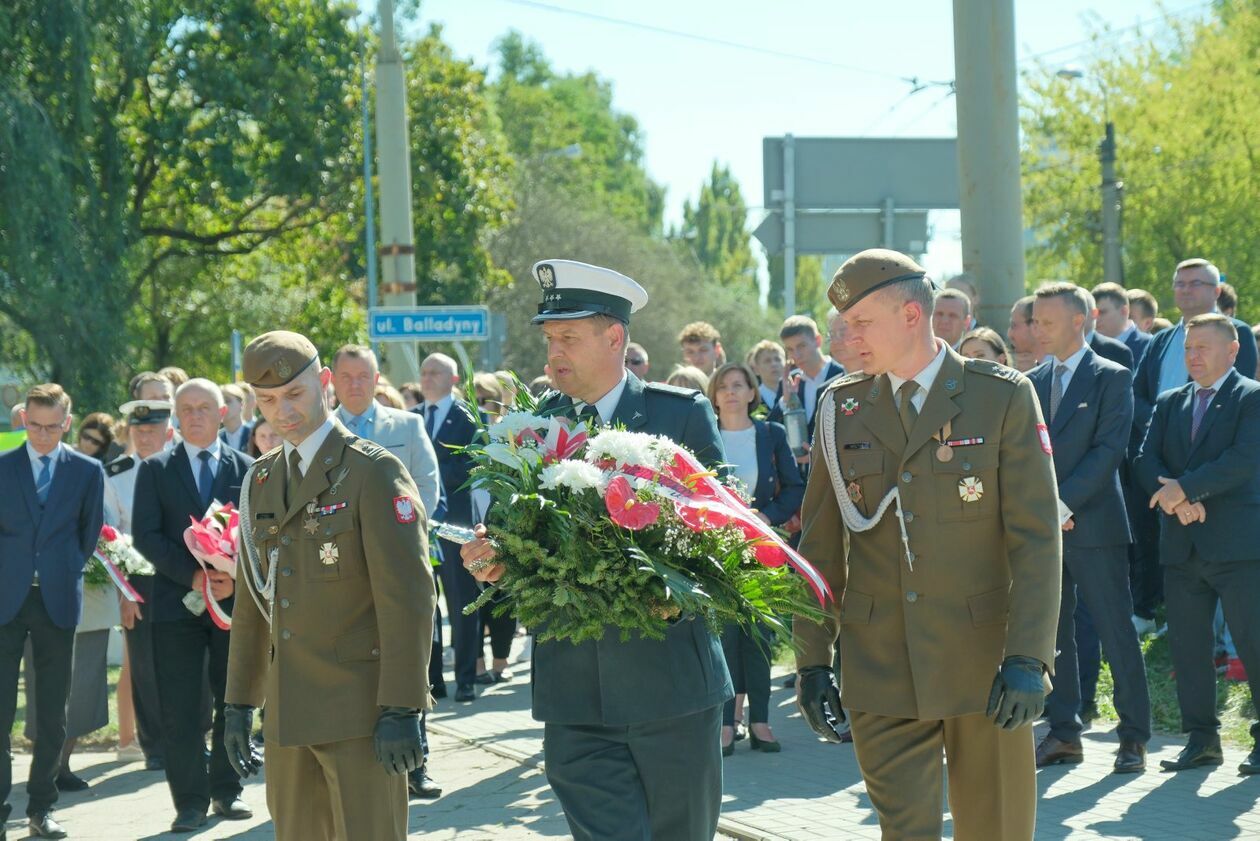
(970,489)
(849,406)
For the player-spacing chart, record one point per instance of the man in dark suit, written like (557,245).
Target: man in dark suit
(812,370)
(1201,460)
(1111,349)
(171,487)
(1088,402)
(450,424)
(632,727)
(48,529)
(1111,318)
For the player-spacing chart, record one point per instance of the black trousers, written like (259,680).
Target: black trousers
(654,781)
(461,590)
(1099,577)
(53,655)
(502,629)
(748,660)
(144,684)
(1191,591)
(1146,577)
(436,679)
(180,649)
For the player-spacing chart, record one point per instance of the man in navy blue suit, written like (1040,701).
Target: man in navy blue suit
(1088,402)
(451,425)
(1111,304)
(48,529)
(171,487)
(1201,460)
(813,369)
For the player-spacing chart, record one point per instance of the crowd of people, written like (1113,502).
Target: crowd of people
(1152,426)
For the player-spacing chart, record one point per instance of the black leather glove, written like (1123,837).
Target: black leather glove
(818,697)
(397,740)
(1018,695)
(238,731)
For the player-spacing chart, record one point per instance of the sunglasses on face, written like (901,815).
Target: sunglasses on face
(91,439)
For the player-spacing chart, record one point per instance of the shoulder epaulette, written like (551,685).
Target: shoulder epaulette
(672,390)
(849,379)
(993,369)
(368,448)
(120,465)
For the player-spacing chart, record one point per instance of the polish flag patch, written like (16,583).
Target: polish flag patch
(1043,433)
(404,509)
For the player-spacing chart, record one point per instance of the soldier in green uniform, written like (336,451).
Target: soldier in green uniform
(632,736)
(935,471)
(335,635)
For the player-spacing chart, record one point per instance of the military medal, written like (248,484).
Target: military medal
(311,523)
(341,477)
(849,406)
(325,510)
(328,554)
(855,492)
(944,452)
(261,475)
(970,489)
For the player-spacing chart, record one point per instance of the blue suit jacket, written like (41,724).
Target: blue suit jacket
(457,430)
(1090,435)
(1146,380)
(780,486)
(56,539)
(834,369)
(165,497)
(615,683)
(1138,342)
(1221,469)
(1112,349)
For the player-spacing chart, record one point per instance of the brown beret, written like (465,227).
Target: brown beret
(867,271)
(276,358)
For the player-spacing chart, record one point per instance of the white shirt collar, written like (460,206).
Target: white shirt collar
(35,457)
(443,404)
(1216,386)
(822,371)
(310,445)
(1072,362)
(925,377)
(607,404)
(193,451)
(1129,329)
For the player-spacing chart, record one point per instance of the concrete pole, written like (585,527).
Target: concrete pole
(789,225)
(1113,264)
(988,152)
(398,268)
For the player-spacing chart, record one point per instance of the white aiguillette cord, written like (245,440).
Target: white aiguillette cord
(853,518)
(253,569)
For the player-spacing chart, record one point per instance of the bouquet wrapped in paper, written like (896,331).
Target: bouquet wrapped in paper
(214,541)
(605,527)
(113,560)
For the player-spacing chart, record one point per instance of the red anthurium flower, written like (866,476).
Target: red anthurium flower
(700,517)
(109,533)
(626,510)
(768,553)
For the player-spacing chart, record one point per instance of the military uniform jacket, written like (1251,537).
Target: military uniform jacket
(983,535)
(614,683)
(352,619)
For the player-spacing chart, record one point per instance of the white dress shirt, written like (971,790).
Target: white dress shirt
(607,405)
(924,378)
(812,385)
(1071,363)
(37,466)
(310,446)
(194,457)
(439,415)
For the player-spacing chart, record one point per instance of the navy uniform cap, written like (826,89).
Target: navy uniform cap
(579,290)
(145,412)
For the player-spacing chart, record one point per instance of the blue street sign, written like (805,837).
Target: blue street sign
(429,324)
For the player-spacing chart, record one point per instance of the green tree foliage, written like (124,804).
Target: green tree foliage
(811,286)
(1184,105)
(715,229)
(567,136)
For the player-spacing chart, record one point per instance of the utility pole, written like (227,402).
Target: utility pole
(789,225)
(1112,198)
(398,268)
(988,152)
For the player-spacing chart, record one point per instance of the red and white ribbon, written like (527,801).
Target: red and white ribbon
(120,580)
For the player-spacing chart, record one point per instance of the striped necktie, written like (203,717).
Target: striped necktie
(44,483)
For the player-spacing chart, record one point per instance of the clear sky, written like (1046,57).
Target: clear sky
(708,79)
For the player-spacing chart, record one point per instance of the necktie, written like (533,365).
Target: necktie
(906,410)
(205,479)
(1200,409)
(591,415)
(1056,390)
(44,482)
(295,477)
(430,412)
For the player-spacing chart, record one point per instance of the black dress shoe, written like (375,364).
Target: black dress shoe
(1055,751)
(421,785)
(1250,765)
(1194,755)
(70,781)
(186,820)
(235,809)
(1131,758)
(43,826)
(465,693)
(438,691)
(485,679)
(789,682)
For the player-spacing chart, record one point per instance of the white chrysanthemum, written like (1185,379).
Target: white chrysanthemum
(573,474)
(634,448)
(513,423)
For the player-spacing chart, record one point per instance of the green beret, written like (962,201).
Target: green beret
(867,271)
(275,359)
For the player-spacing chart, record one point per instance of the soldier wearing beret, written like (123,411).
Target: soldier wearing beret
(935,471)
(334,635)
(632,736)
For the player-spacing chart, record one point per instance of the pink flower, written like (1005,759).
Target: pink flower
(626,510)
(701,517)
(109,534)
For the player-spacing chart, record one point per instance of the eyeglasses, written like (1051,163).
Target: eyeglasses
(44,428)
(1181,285)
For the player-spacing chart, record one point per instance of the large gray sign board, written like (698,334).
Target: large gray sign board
(845,233)
(842,172)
